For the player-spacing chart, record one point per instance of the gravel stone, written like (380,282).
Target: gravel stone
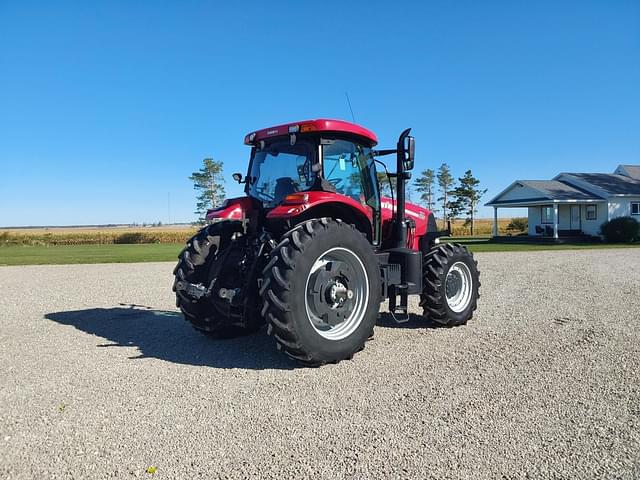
(101,378)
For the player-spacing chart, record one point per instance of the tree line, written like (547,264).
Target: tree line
(439,191)
(454,199)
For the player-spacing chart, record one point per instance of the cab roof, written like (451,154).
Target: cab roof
(309,126)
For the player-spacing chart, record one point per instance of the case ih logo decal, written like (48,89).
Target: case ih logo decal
(391,206)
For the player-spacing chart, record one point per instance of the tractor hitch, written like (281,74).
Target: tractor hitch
(228,294)
(192,290)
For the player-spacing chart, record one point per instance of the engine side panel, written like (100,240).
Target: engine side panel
(413,212)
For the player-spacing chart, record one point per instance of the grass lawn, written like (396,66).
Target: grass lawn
(484,245)
(63,254)
(154,252)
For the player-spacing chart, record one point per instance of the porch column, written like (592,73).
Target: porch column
(555,220)
(495,222)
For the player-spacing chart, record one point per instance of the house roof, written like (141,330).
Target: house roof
(546,191)
(632,170)
(556,190)
(571,187)
(611,183)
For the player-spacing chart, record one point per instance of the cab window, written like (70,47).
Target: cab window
(348,167)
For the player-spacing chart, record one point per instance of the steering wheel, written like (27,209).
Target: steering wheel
(335,181)
(268,196)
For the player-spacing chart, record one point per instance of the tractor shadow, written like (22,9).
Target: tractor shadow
(165,335)
(386,320)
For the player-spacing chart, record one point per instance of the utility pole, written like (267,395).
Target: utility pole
(169,208)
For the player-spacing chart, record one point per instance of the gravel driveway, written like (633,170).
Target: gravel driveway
(100,378)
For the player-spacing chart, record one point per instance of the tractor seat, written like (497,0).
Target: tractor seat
(284,187)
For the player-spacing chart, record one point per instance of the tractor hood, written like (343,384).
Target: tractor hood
(412,211)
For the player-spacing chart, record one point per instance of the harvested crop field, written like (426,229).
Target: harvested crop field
(166,234)
(95,236)
(100,378)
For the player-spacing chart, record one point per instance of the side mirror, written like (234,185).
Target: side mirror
(237,177)
(411,152)
(405,151)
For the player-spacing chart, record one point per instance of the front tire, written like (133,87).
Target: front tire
(451,285)
(321,292)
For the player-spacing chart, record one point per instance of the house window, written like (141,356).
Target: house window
(592,212)
(635,208)
(547,214)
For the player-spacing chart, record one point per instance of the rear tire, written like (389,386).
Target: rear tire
(451,285)
(321,292)
(198,264)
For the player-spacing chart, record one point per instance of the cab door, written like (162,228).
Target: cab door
(350,168)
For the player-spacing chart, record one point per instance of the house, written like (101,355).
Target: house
(573,204)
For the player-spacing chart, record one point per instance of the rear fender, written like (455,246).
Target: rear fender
(325,204)
(233,209)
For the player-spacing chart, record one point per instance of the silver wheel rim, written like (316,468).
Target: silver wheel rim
(458,285)
(344,295)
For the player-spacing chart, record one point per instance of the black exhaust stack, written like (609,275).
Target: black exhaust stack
(409,261)
(405,155)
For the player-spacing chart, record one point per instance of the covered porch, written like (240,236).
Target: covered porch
(556,211)
(558,220)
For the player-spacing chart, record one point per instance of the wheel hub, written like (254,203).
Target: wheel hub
(330,297)
(458,287)
(337,293)
(454,282)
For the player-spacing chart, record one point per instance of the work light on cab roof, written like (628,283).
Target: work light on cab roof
(308,126)
(313,247)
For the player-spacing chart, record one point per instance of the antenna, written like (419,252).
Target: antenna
(350,109)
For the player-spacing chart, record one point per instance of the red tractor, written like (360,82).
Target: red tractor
(313,248)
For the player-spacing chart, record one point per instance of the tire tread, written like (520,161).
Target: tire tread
(434,267)
(277,283)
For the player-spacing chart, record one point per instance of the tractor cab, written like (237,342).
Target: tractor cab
(318,155)
(290,164)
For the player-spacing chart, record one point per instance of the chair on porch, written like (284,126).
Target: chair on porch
(548,230)
(539,230)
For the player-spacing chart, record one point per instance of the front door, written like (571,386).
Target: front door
(350,168)
(575,217)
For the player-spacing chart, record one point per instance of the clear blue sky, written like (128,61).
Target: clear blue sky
(106,107)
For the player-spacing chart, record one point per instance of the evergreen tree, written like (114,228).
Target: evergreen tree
(456,208)
(425,185)
(445,183)
(209,182)
(468,194)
